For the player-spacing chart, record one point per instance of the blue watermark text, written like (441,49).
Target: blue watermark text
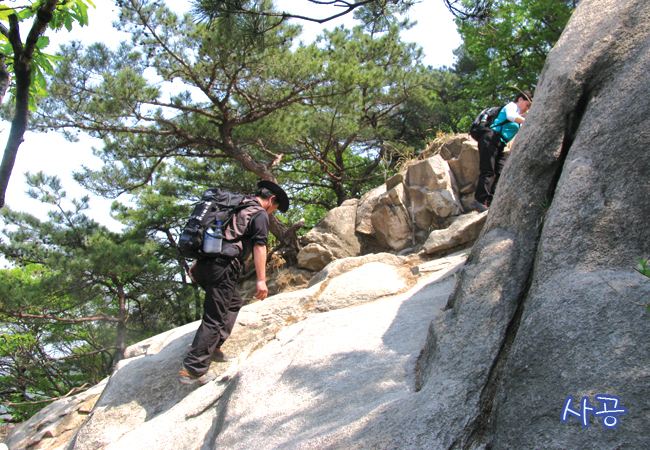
(608,413)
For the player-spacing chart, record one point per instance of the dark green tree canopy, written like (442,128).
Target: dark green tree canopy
(318,118)
(508,47)
(79,293)
(222,81)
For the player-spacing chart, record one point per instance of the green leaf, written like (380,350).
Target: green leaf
(25,14)
(68,22)
(43,41)
(5,12)
(39,79)
(42,61)
(32,102)
(82,8)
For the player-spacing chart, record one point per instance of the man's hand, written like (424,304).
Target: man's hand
(262,290)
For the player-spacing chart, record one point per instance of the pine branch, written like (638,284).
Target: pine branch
(73,391)
(20,315)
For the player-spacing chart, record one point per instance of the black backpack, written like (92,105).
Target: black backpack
(483,121)
(215,205)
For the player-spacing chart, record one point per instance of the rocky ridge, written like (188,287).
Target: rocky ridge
(422,208)
(144,406)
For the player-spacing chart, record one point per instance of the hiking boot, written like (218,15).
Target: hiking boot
(185,377)
(218,356)
(478,206)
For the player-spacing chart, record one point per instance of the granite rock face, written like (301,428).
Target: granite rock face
(373,304)
(534,311)
(466,167)
(541,311)
(391,221)
(54,426)
(364,210)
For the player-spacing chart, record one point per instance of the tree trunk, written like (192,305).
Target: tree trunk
(121,323)
(288,238)
(22,69)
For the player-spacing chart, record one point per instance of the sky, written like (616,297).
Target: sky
(52,153)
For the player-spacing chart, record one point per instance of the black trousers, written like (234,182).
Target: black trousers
(491,161)
(220,308)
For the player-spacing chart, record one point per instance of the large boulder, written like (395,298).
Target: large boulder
(342,266)
(361,285)
(314,257)
(391,221)
(397,215)
(432,174)
(444,203)
(337,231)
(466,167)
(366,205)
(447,146)
(432,193)
(463,230)
(422,198)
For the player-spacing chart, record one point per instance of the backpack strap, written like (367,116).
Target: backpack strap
(235,240)
(502,123)
(498,132)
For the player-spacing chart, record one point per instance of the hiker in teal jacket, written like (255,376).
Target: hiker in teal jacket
(491,145)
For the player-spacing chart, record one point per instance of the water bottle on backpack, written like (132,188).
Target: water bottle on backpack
(213,239)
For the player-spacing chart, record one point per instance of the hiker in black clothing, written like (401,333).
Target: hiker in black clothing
(248,231)
(491,145)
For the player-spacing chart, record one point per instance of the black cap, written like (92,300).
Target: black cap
(279,193)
